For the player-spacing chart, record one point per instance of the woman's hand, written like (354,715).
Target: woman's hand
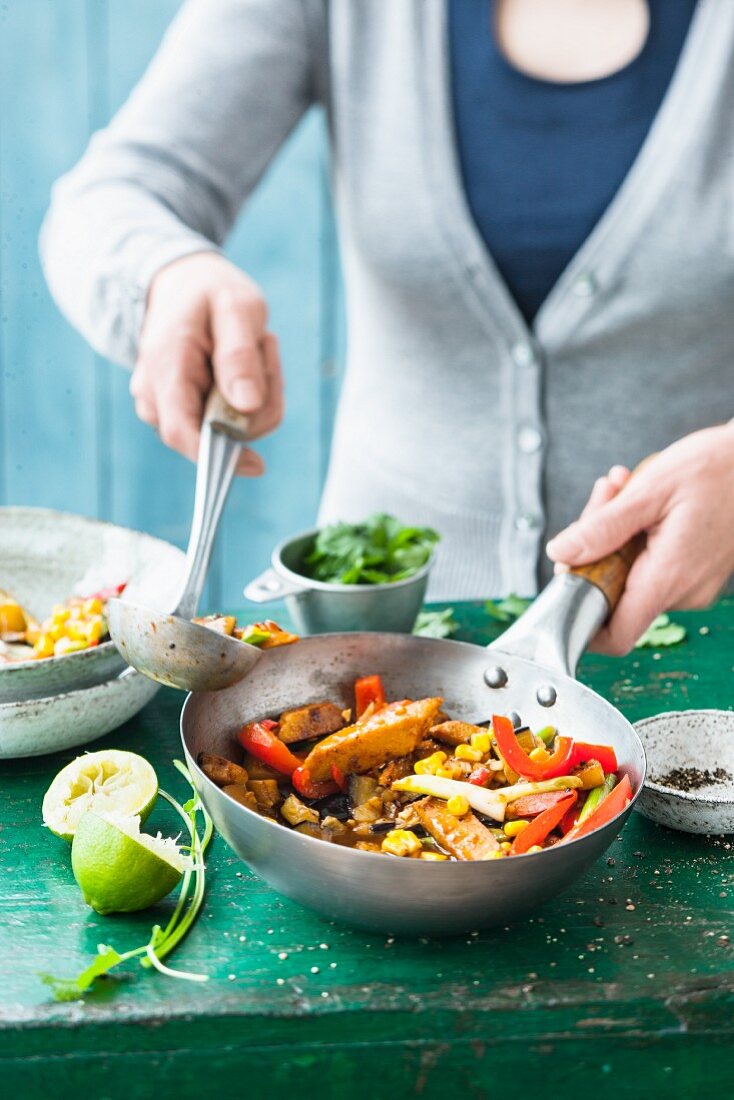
(204,316)
(683,498)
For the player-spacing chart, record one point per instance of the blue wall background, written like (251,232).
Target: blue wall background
(69,438)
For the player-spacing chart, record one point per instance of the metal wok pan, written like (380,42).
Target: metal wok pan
(529,670)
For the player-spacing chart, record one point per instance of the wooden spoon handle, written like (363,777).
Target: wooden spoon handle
(223,418)
(610,573)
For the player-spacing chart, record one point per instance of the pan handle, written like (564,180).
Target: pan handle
(610,573)
(561,622)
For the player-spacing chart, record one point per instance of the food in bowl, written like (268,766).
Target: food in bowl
(80,622)
(265,635)
(379,550)
(405,779)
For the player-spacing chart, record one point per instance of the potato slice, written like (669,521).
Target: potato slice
(221,770)
(266,792)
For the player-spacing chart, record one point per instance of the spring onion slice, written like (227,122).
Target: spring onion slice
(489,803)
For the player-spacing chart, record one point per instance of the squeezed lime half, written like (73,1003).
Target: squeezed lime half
(110,782)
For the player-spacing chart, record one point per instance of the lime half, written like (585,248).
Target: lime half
(110,781)
(118,868)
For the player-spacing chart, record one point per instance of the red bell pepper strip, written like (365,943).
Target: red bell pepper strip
(259,739)
(608,809)
(368,689)
(558,764)
(339,777)
(604,754)
(571,817)
(481,776)
(533,804)
(305,786)
(540,827)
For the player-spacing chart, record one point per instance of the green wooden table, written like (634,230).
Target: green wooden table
(622,987)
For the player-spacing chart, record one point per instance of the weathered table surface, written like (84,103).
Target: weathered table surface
(621,987)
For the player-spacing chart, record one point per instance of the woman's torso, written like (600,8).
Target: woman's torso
(453,411)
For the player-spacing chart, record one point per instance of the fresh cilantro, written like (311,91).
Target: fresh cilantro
(507,609)
(162,940)
(70,989)
(661,632)
(436,624)
(378,551)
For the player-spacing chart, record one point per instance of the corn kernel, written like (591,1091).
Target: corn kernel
(539,755)
(514,828)
(506,847)
(430,765)
(480,742)
(60,614)
(535,848)
(497,854)
(67,645)
(401,842)
(44,647)
(445,773)
(457,805)
(92,606)
(434,857)
(466,752)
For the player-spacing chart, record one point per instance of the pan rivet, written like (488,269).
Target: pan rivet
(496,677)
(515,719)
(546,695)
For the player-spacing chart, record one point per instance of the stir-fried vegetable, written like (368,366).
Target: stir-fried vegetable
(368,691)
(407,780)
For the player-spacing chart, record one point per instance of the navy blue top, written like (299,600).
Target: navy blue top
(541,161)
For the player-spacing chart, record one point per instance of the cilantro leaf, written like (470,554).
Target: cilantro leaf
(661,632)
(436,624)
(71,989)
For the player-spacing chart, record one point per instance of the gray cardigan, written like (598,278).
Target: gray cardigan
(453,412)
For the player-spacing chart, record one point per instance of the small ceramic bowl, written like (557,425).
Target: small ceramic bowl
(35,727)
(690,770)
(320,608)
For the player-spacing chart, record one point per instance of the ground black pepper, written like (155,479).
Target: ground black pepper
(690,779)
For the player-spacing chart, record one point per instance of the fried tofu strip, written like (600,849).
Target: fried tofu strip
(314,720)
(221,771)
(463,837)
(387,735)
(455,733)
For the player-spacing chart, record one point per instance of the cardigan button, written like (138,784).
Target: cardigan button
(585,285)
(529,440)
(523,354)
(527,521)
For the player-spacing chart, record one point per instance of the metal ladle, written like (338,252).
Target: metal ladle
(167,646)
